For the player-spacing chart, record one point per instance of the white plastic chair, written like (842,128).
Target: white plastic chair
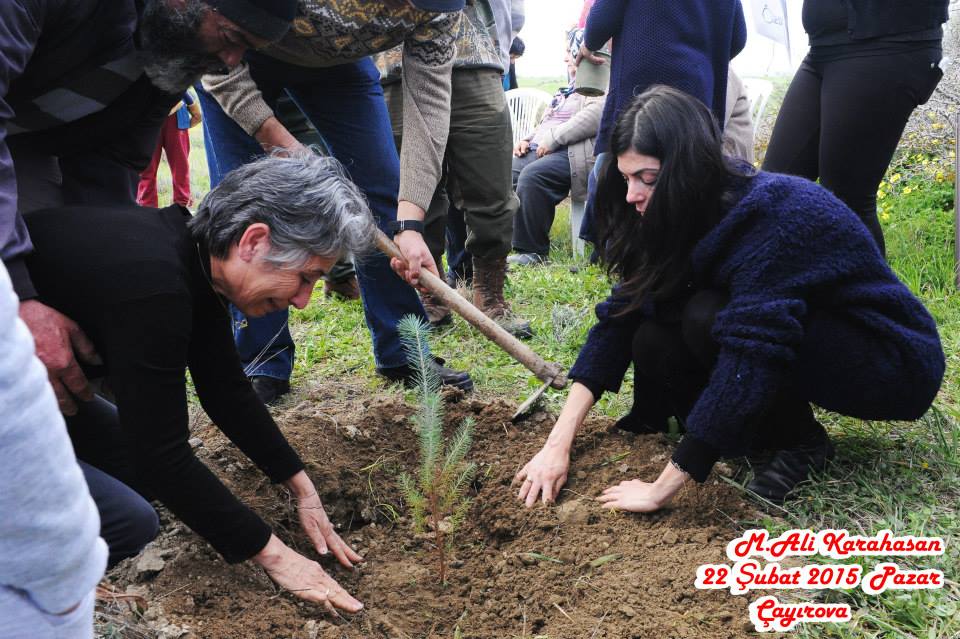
(758,92)
(526,109)
(576,217)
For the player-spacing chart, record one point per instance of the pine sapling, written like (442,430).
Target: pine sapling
(437,497)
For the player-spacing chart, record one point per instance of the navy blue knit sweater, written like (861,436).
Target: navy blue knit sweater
(788,247)
(686,44)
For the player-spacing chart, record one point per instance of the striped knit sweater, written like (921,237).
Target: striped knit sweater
(331,32)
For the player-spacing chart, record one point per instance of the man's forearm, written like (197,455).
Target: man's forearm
(410,211)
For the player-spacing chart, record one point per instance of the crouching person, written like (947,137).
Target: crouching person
(51,554)
(151,288)
(743,298)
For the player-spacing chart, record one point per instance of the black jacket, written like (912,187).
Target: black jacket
(876,18)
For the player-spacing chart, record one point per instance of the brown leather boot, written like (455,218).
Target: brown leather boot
(348,289)
(438,314)
(488,278)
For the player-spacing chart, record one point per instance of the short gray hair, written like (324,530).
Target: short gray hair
(307,200)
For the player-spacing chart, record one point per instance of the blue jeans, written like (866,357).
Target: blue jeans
(587,231)
(459,260)
(345,104)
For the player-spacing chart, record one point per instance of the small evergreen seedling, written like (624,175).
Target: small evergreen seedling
(437,497)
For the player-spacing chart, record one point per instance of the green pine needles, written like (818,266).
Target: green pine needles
(437,497)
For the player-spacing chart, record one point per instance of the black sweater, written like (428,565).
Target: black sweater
(132,279)
(832,22)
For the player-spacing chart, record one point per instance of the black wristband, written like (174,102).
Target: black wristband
(399,226)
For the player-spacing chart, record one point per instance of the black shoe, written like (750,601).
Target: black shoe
(269,389)
(526,259)
(790,467)
(448,376)
(634,424)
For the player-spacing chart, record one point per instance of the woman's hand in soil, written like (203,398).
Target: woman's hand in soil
(634,495)
(304,577)
(544,475)
(640,497)
(325,539)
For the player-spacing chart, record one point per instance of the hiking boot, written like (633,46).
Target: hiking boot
(438,314)
(269,389)
(347,289)
(789,467)
(526,259)
(462,276)
(488,280)
(448,376)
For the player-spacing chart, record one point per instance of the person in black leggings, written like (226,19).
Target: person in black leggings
(871,63)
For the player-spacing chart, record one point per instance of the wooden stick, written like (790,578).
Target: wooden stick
(546,371)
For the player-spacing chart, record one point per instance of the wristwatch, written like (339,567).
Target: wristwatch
(399,226)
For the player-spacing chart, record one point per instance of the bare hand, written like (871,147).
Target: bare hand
(543,475)
(636,496)
(325,539)
(417,256)
(303,577)
(542,151)
(523,146)
(589,55)
(273,137)
(59,344)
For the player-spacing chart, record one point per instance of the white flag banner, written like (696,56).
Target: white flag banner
(770,20)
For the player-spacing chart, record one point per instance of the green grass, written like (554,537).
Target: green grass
(548,84)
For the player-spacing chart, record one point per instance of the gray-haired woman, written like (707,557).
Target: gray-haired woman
(150,287)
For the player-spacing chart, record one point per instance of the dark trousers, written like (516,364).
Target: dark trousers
(477,165)
(541,184)
(127,521)
(459,260)
(841,122)
(588,232)
(673,355)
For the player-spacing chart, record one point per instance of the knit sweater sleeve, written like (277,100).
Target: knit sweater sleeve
(604,358)
(780,245)
(428,54)
(758,337)
(237,94)
(604,22)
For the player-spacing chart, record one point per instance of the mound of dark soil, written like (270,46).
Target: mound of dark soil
(355,444)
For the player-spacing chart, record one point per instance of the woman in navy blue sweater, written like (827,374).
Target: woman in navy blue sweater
(742,298)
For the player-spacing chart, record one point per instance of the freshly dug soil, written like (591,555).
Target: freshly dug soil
(355,442)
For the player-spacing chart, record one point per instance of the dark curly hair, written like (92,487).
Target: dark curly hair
(650,254)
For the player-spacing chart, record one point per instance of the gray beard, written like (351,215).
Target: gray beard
(172,54)
(175,75)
